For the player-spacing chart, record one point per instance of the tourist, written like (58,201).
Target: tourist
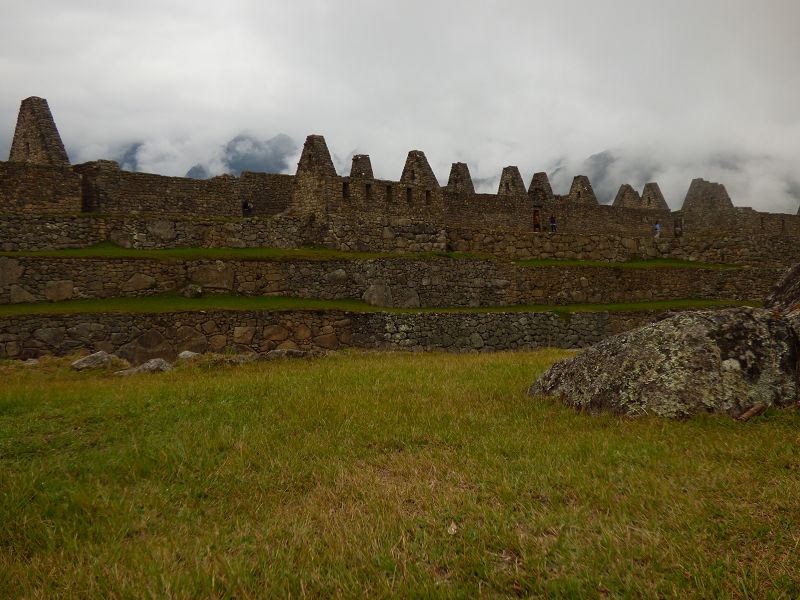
(553,226)
(657,230)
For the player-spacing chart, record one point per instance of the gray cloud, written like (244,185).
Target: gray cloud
(247,153)
(668,88)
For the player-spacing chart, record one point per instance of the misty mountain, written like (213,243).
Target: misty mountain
(247,153)
(127,158)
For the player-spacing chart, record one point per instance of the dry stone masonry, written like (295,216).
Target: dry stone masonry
(46,203)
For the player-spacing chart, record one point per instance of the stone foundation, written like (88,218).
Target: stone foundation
(395,282)
(139,337)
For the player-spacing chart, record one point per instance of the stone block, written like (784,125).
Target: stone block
(10,271)
(275,333)
(138,281)
(55,291)
(243,335)
(18,294)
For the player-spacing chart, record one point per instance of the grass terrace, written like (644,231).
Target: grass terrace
(367,475)
(177,302)
(319,253)
(650,263)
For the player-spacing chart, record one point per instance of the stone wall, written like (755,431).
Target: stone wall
(36,139)
(107,189)
(741,248)
(38,189)
(395,282)
(392,234)
(139,337)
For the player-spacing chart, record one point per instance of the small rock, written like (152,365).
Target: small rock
(151,366)
(192,291)
(285,353)
(31,362)
(93,361)
(187,355)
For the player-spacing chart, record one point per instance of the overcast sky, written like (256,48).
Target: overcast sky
(663,90)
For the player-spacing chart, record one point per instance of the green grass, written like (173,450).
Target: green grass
(177,302)
(375,475)
(318,253)
(650,263)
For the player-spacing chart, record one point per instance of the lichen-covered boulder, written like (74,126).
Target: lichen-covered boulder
(726,361)
(785,297)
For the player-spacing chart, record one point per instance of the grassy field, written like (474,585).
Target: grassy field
(404,475)
(318,253)
(177,302)
(109,250)
(650,263)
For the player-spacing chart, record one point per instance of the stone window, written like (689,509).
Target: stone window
(427,196)
(345,190)
(368,191)
(409,195)
(413,175)
(389,193)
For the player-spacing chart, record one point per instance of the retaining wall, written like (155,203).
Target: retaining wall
(139,337)
(395,282)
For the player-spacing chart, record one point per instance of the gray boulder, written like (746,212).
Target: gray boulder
(93,361)
(192,291)
(726,361)
(154,365)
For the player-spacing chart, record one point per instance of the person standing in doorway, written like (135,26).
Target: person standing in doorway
(657,230)
(553,225)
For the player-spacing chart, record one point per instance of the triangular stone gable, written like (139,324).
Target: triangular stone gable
(652,197)
(540,189)
(417,171)
(316,159)
(36,139)
(511,182)
(460,180)
(581,191)
(627,197)
(361,167)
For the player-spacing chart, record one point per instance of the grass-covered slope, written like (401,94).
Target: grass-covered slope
(373,475)
(177,302)
(109,250)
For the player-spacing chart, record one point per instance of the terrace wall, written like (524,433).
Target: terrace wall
(139,337)
(393,282)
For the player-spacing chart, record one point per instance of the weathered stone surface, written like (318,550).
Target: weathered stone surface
(405,298)
(154,365)
(217,276)
(328,341)
(286,353)
(275,333)
(302,332)
(93,361)
(139,281)
(378,294)
(10,271)
(786,294)
(187,355)
(192,291)
(188,338)
(56,291)
(50,335)
(699,362)
(150,344)
(163,230)
(243,334)
(18,294)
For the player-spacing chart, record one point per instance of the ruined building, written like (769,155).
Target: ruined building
(45,202)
